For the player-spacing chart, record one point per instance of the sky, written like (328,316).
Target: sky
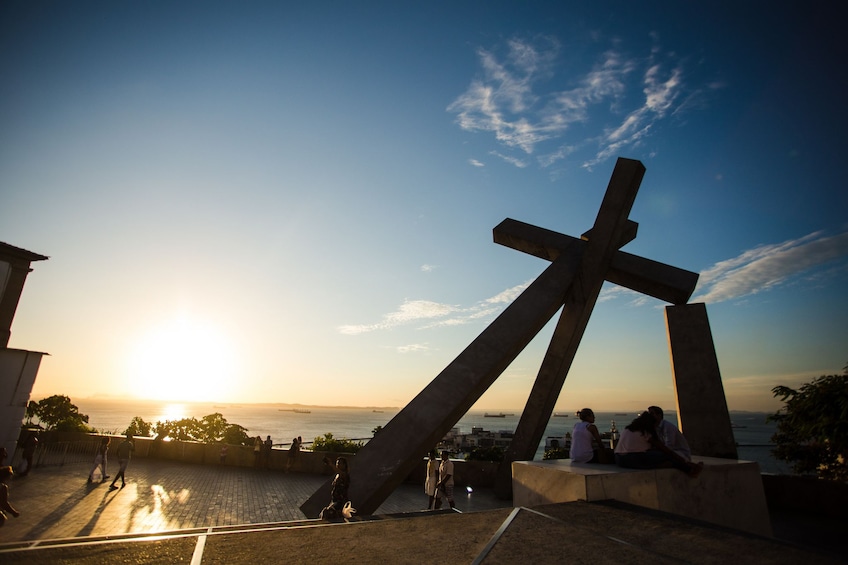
(294,202)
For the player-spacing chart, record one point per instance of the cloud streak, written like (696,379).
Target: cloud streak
(430,314)
(769,266)
(757,270)
(510,101)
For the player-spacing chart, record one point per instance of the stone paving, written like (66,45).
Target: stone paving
(173,512)
(162,495)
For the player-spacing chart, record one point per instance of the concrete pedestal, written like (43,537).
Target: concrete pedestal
(728,492)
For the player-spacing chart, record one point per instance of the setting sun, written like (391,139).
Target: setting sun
(183,360)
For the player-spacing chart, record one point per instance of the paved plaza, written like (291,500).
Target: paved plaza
(162,495)
(173,512)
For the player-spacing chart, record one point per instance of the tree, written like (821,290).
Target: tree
(236,435)
(812,427)
(329,443)
(139,428)
(212,427)
(184,429)
(58,413)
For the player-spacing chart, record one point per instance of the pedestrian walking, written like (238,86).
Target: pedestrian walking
(30,445)
(125,450)
(100,460)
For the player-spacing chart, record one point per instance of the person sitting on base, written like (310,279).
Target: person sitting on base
(640,448)
(670,435)
(586,443)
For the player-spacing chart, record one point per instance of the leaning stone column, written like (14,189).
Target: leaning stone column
(701,405)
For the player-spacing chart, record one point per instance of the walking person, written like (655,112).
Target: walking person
(100,461)
(445,484)
(125,450)
(6,474)
(432,479)
(30,445)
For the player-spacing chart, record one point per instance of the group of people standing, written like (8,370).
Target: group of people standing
(124,453)
(648,442)
(439,481)
(262,452)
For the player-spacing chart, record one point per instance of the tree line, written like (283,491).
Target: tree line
(58,413)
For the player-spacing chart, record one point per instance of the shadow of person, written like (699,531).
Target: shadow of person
(61,511)
(95,516)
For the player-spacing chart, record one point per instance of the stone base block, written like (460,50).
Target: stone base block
(728,492)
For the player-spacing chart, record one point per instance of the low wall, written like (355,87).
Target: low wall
(479,474)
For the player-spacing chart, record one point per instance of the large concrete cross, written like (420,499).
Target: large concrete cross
(572,281)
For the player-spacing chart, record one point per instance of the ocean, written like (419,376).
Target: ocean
(282,422)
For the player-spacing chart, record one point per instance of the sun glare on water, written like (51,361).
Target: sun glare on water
(183,360)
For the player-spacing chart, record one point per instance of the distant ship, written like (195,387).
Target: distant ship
(500,415)
(377,411)
(558,415)
(296,410)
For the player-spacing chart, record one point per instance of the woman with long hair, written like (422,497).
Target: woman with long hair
(641,448)
(432,479)
(100,460)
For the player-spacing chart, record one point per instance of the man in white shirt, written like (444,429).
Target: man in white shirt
(670,435)
(445,485)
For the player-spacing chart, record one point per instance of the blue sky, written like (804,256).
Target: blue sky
(259,202)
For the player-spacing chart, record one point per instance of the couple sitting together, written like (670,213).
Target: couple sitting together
(649,442)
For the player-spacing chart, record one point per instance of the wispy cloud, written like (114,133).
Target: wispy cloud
(412,348)
(753,271)
(769,266)
(410,311)
(434,314)
(428,268)
(510,101)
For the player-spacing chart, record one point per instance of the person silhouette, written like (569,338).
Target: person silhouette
(100,460)
(125,450)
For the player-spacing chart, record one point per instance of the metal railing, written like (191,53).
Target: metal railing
(58,453)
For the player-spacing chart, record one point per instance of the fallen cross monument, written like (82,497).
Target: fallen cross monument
(571,282)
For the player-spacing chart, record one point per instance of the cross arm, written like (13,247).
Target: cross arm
(653,278)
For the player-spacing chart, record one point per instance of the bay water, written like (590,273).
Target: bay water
(283,422)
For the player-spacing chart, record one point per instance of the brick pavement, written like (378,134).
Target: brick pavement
(167,512)
(163,495)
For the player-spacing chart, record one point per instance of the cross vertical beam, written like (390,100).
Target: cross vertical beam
(606,235)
